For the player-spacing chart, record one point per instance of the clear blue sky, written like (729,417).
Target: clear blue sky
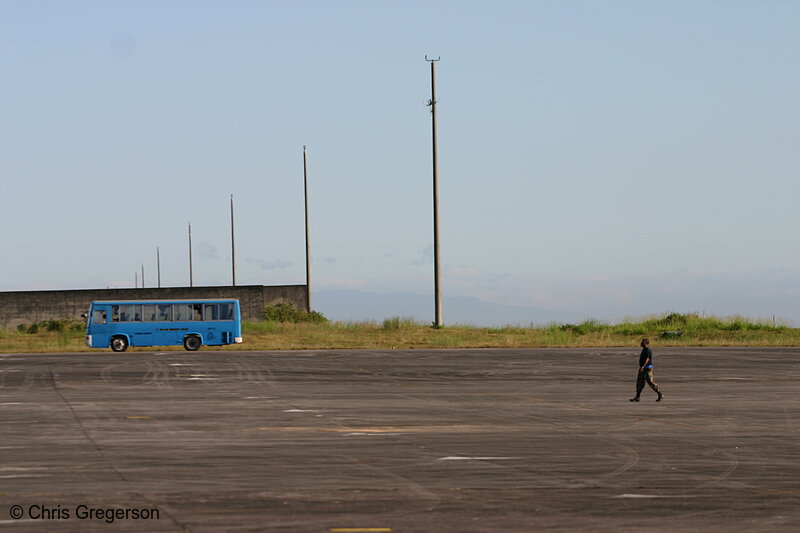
(603,158)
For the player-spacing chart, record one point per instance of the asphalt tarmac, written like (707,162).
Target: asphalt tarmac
(400,441)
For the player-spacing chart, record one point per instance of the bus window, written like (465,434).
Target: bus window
(211,311)
(218,311)
(130,313)
(99,316)
(115,313)
(149,312)
(164,313)
(182,312)
(197,312)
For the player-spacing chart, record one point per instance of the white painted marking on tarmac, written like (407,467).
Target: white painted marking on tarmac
(257,398)
(301,411)
(178,364)
(460,458)
(11,403)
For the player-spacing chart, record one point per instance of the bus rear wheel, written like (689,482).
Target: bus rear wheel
(192,343)
(119,344)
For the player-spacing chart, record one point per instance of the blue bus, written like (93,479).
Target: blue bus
(193,323)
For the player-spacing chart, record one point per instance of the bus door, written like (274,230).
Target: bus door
(99,327)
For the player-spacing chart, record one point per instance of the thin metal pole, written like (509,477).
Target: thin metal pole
(158,265)
(136,280)
(233,248)
(143,275)
(191,277)
(308,256)
(436,258)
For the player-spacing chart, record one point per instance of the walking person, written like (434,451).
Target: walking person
(646,372)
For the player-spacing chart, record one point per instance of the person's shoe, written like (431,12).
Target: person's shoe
(634,399)
(660,395)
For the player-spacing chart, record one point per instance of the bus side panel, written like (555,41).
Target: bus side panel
(219,334)
(100,340)
(140,335)
(172,333)
(144,334)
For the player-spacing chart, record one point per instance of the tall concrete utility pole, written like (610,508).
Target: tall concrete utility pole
(308,255)
(233,248)
(437,284)
(158,265)
(143,275)
(191,277)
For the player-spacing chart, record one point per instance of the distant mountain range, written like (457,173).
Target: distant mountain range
(350,305)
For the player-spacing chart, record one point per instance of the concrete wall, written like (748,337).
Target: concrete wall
(29,307)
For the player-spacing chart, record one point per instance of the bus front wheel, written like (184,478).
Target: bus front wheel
(119,344)
(192,343)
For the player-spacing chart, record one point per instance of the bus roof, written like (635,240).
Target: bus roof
(174,301)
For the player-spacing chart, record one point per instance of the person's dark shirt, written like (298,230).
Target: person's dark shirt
(646,354)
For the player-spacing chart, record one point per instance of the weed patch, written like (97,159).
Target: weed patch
(399,323)
(289,313)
